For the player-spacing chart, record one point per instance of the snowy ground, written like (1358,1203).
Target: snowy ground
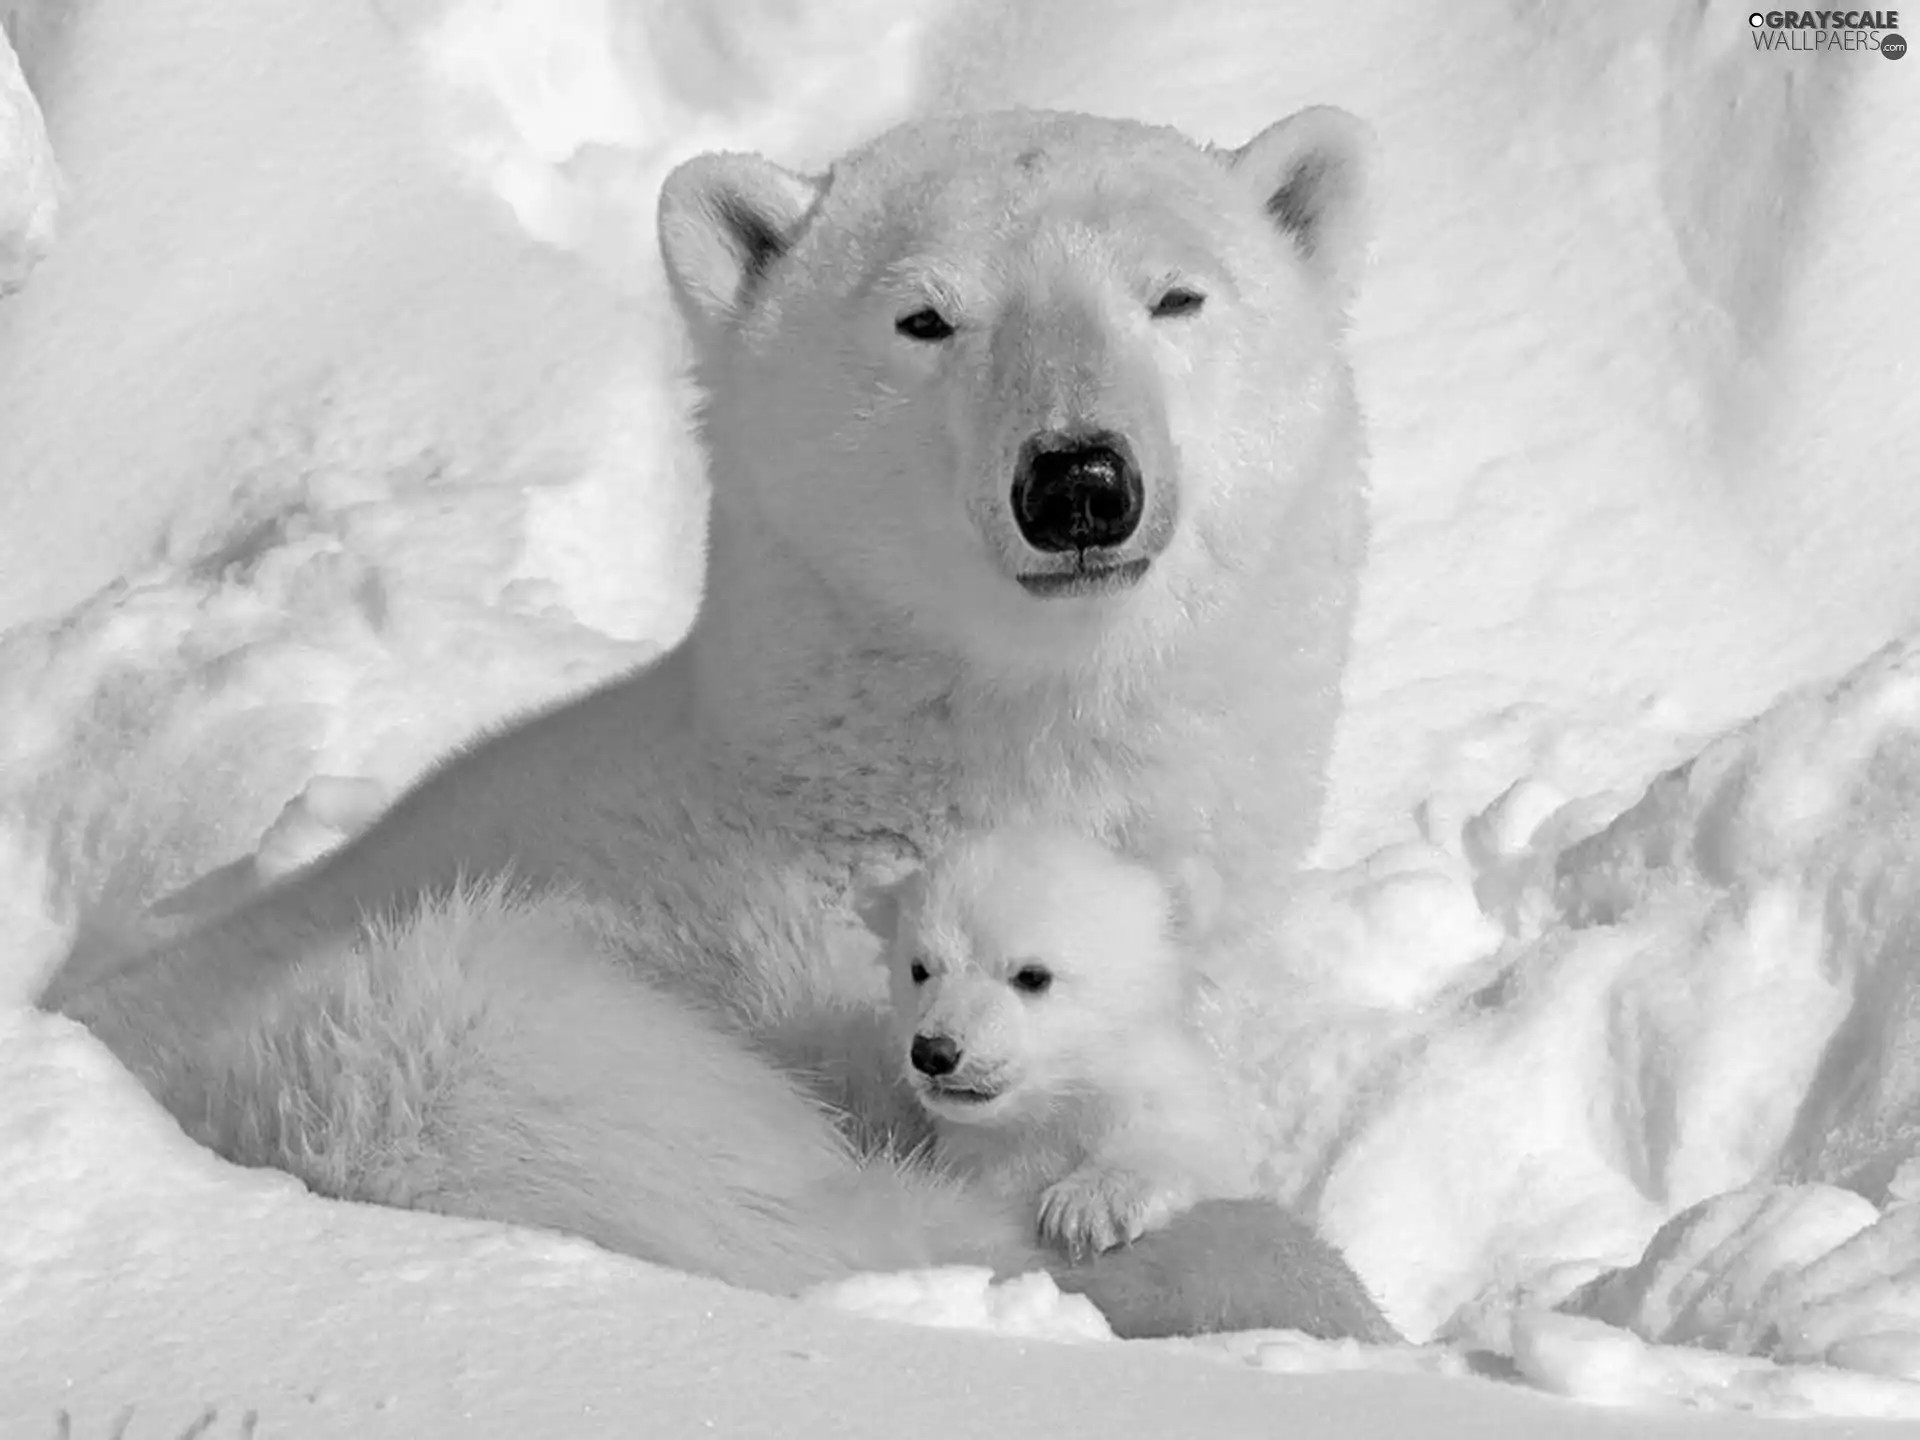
(310,463)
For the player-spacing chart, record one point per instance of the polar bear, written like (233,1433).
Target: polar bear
(1041,992)
(1037,494)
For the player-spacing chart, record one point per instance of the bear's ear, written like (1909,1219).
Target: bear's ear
(1309,171)
(723,220)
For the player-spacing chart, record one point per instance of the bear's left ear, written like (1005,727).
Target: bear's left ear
(1309,172)
(723,220)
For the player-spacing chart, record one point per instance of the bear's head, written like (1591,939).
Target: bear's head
(1026,964)
(1026,383)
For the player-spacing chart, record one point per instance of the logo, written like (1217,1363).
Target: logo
(1828,30)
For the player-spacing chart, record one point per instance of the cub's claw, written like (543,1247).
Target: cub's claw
(1096,1208)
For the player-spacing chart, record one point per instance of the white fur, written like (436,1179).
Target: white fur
(866,674)
(1103,1116)
(435,1068)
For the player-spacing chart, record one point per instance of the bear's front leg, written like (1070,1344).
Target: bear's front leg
(1102,1205)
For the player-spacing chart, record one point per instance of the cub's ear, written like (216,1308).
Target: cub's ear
(1195,890)
(880,906)
(723,220)
(1309,171)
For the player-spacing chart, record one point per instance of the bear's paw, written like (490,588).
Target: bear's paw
(1100,1206)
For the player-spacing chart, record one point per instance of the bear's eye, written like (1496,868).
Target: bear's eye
(1178,301)
(927,324)
(919,973)
(1032,979)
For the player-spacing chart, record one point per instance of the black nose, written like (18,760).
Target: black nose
(1077,492)
(935,1054)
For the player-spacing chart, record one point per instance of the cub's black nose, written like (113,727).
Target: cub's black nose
(1077,492)
(935,1054)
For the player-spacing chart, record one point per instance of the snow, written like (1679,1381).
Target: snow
(30,201)
(312,462)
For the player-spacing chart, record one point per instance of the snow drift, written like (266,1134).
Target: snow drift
(29,180)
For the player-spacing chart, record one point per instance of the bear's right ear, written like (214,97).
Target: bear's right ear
(1309,172)
(723,220)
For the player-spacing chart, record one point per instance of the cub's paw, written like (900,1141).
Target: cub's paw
(1098,1207)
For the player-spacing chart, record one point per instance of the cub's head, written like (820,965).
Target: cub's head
(1024,965)
(1029,383)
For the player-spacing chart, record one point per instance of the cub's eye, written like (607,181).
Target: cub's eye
(1032,979)
(1178,301)
(918,972)
(928,325)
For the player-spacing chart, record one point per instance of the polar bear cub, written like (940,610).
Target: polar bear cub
(1039,988)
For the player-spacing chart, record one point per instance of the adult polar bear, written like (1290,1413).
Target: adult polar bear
(1037,496)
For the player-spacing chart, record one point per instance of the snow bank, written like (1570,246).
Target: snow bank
(29,180)
(271,279)
(573,111)
(1717,986)
(312,465)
